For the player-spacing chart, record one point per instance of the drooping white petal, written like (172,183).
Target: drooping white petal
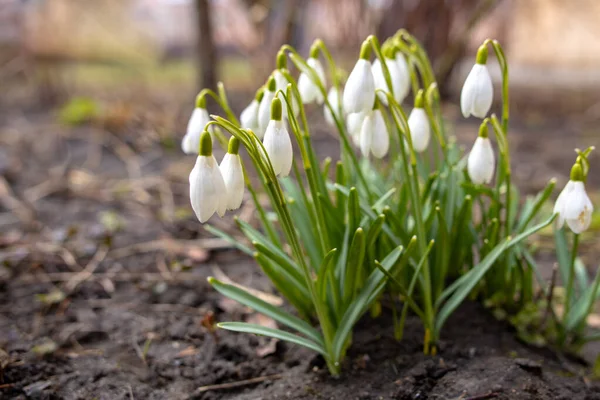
(578,208)
(196,124)
(359,92)
(206,188)
(560,203)
(395,76)
(403,78)
(249,117)
(278,144)
(480,163)
(477,92)
(366,134)
(334,98)
(419,129)
(354,123)
(233,176)
(309,91)
(264,113)
(380,142)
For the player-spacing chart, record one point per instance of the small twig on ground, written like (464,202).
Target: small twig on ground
(236,384)
(88,271)
(115,276)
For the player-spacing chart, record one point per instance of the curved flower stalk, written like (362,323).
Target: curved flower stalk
(195,127)
(359,92)
(477,92)
(207,188)
(249,117)
(277,141)
(418,122)
(264,108)
(233,174)
(481,161)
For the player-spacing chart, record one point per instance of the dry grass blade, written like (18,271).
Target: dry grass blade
(236,384)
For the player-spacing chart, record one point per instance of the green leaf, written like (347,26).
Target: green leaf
(296,294)
(578,314)
(463,286)
(274,333)
(325,271)
(361,302)
(271,311)
(354,264)
(230,239)
(563,254)
(531,211)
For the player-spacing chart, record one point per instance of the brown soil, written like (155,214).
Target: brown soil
(135,323)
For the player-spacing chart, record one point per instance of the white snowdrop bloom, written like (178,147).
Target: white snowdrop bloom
(277,142)
(359,92)
(334,97)
(559,204)
(573,204)
(399,87)
(207,187)
(380,142)
(365,137)
(418,123)
(578,208)
(354,123)
(233,175)
(309,91)
(195,127)
(403,77)
(249,117)
(264,108)
(481,161)
(477,92)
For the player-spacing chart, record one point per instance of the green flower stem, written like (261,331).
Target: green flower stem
(312,170)
(401,123)
(258,154)
(221,100)
(386,72)
(301,64)
(571,279)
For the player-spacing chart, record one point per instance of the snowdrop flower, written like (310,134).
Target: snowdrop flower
(481,162)
(399,84)
(573,204)
(359,92)
(277,141)
(374,136)
(309,91)
(354,123)
(233,175)
(477,92)
(334,98)
(281,83)
(264,108)
(207,187)
(196,124)
(249,117)
(418,124)
(403,76)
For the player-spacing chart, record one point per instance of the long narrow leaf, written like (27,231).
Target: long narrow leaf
(469,280)
(274,333)
(279,315)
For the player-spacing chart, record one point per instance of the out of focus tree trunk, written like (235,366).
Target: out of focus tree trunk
(207,51)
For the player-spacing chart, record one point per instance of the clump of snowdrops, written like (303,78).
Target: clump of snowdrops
(404,210)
